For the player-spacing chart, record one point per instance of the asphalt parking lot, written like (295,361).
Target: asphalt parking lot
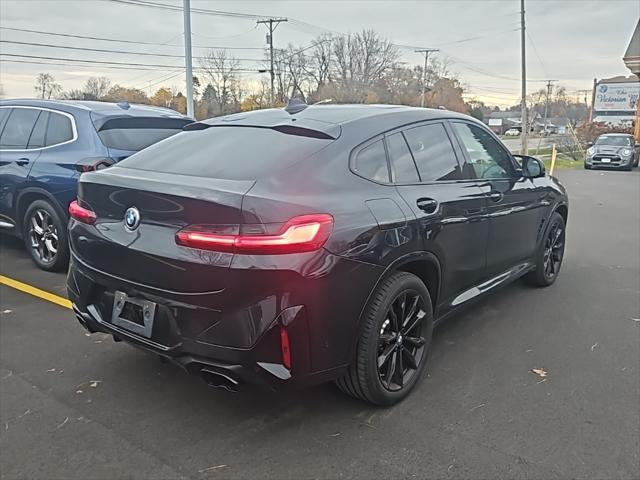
(78,406)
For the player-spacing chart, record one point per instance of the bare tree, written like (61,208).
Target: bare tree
(320,63)
(360,60)
(292,73)
(221,69)
(46,87)
(96,88)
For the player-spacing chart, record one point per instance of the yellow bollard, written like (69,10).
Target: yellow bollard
(553,158)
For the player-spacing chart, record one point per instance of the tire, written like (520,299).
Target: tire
(587,167)
(377,340)
(44,231)
(551,250)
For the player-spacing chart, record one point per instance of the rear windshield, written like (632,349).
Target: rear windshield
(136,133)
(616,141)
(232,153)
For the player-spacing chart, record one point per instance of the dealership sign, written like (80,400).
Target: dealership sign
(617,96)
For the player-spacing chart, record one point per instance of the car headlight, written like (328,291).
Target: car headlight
(626,152)
(591,151)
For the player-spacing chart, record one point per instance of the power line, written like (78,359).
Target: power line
(99,62)
(116,40)
(104,50)
(165,6)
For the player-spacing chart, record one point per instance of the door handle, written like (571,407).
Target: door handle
(22,161)
(496,196)
(427,205)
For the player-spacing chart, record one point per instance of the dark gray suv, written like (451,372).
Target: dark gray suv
(613,150)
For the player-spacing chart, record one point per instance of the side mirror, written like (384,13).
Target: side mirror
(589,144)
(532,167)
(637,145)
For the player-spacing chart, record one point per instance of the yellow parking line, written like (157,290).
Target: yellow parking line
(36,292)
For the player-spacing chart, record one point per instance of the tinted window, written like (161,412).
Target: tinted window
(402,166)
(18,128)
(234,153)
(37,135)
(433,153)
(136,133)
(59,129)
(487,157)
(617,141)
(371,162)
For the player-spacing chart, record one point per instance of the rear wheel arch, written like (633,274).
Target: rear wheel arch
(425,265)
(30,195)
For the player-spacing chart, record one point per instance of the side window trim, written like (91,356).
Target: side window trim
(362,146)
(6,120)
(59,112)
(514,168)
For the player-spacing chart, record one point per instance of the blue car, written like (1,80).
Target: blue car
(44,147)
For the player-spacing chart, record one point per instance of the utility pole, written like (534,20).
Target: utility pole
(187,55)
(546,104)
(271,22)
(523,121)
(426,52)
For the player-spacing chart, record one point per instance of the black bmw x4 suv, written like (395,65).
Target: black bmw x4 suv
(307,244)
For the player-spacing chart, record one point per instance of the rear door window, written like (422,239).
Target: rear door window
(233,153)
(17,130)
(36,140)
(136,133)
(403,167)
(371,162)
(433,153)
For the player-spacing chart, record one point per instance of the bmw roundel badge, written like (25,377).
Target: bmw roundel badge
(131,218)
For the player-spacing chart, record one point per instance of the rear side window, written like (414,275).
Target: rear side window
(59,129)
(402,165)
(232,153)
(371,162)
(18,127)
(433,153)
(136,133)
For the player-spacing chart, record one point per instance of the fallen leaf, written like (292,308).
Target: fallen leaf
(637,320)
(51,370)
(63,423)
(541,372)
(593,347)
(94,383)
(209,469)
(335,434)
(477,406)
(78,391)
(6,311)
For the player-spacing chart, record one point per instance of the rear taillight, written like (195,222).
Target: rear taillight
(92,164)
(81,214)
(305,233)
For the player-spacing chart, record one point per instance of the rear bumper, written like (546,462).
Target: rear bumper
(235,339)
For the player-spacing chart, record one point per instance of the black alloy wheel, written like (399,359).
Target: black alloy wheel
(45,236)
(401,340)
(550,254)
(393,343)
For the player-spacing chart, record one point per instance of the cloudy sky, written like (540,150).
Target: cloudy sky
(571,41)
